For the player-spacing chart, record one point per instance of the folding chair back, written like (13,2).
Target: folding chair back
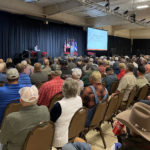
(143,93)
(13,106)
(131,97)
(111,108)
(77,123)
(98,115)
(121,94)
(114,86)
(41,137)
(54,99)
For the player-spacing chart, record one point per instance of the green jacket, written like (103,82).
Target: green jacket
(18,124)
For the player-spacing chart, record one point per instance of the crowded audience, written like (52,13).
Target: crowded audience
(83,81)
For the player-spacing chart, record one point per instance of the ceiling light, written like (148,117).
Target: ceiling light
(126,12)
(117,8)
(142,6)
(142,19)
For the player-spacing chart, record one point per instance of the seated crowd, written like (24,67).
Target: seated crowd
(83,81)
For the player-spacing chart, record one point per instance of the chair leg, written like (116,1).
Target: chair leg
(102,136)
(82,135)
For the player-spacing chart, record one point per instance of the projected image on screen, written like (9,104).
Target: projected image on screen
(97,40)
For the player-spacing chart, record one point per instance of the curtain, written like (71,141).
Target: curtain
(19,33)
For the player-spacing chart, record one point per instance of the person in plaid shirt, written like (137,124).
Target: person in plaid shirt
(51,88)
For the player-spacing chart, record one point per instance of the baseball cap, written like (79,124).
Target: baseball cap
(12,73)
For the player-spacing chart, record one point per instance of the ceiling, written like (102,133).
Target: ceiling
(84,12)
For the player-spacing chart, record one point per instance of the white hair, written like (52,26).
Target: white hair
(76,72)
(70,88)
(24,63)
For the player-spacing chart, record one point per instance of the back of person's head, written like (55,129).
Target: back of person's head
(46,62)
(12,75)
(91,60)
(122,65)
(94,67)
(86,60)
(37,67)
(20,68)
(24,63)
(2,67)
(109,70)
(76,73)
(100,62)
(1,60)
(147,68)
(141,69)
(9,60)
(28,95)
(130,67)
(55,60)
(56,71)
(70,88)
(28,61)
(95,77)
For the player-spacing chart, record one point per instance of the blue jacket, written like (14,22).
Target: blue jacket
(24,79)
(8,93)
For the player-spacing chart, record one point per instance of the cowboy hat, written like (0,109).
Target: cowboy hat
(137,119)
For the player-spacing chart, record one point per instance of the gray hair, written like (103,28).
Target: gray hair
(70,88)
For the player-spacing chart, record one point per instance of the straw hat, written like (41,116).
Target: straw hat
(137,119)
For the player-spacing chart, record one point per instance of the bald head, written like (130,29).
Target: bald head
(37,67)
(2,67)
(46,62)
(1,61)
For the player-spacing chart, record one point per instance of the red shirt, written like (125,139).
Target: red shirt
(121,74)
(49,89)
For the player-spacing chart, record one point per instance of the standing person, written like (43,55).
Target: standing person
(17,125)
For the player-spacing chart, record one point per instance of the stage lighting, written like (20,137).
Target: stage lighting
(133,17)
(142,20)
(126,12)
(117,8)
(107,5)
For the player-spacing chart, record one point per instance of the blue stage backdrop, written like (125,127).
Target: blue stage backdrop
(18,32)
